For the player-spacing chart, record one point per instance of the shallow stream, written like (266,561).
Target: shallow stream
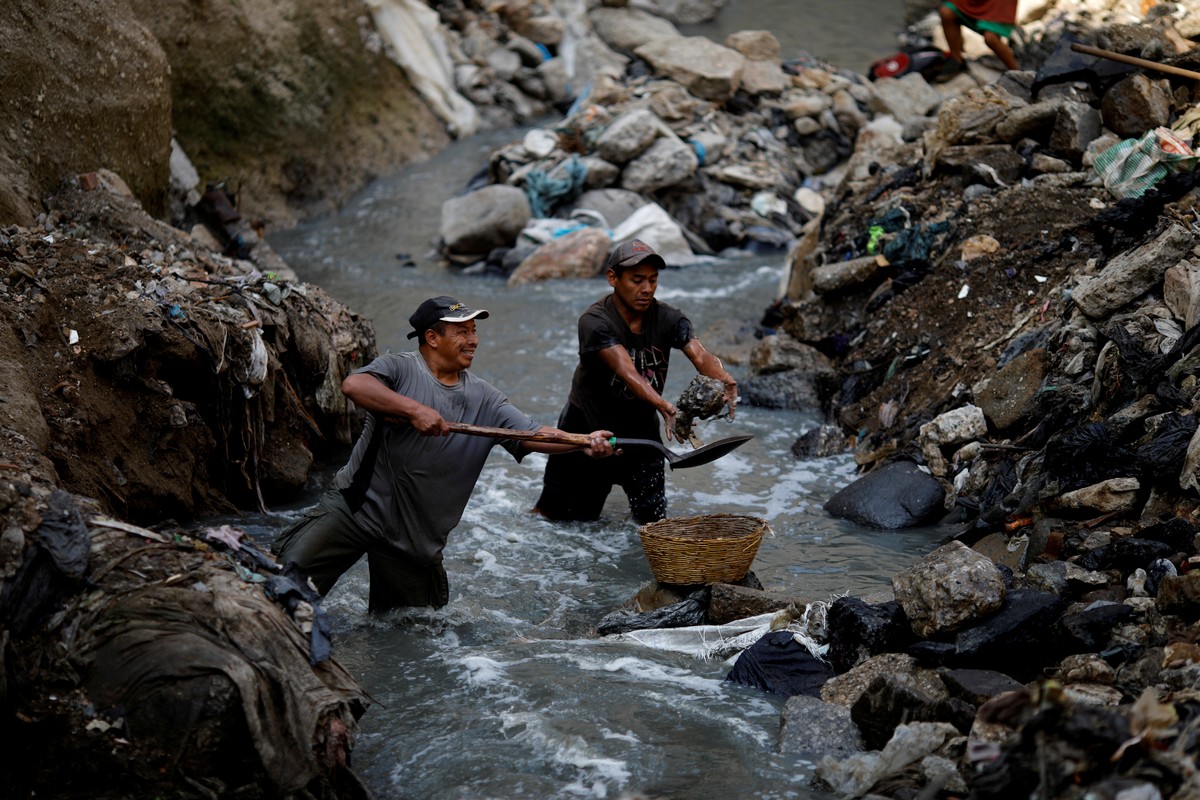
(506,692)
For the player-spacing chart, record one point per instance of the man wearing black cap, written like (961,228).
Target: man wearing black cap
(407,481)
(625,342)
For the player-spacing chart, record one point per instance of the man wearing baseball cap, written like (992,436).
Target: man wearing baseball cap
(625,343)
(408,479)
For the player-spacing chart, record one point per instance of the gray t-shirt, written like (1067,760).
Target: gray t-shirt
(412,489)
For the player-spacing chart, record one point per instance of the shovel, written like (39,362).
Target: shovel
(701,455)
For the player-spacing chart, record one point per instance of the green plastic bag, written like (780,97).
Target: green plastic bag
(1131,167)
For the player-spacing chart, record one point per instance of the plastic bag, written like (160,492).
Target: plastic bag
(1131,167)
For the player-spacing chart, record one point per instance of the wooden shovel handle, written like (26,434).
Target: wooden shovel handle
(580,439)
(1134,61)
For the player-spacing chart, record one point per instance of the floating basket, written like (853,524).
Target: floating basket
(714,548)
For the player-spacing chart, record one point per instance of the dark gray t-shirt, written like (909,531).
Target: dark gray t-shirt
(607,401)
(412,489)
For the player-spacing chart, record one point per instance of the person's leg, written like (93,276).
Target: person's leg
(645,485)
(574,487)
(952,28)
(397,581)
(998,46)
(324,543)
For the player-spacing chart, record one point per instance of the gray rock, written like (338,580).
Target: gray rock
(764,77)
(813,729)
(794,389)
(781,353)
(665,163)
(475,223)
(755,45)
(1135,105)
(627,29)
(1114,495)
(1132,273)
(1076,125)
(947,588)
(1063,578)
(1010,395)
(1181,292)
(1034,121)
(628,135)
(840,275)
(706,69)
(906,97)
(684,12)
(894,496)
(820,442)
(845,689)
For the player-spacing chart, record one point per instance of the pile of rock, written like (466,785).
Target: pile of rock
(1006,333)
(694,146)
(1004,330)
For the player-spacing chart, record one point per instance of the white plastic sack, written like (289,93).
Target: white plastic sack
(414,32)
(708,642)
(704,641)
(653,225)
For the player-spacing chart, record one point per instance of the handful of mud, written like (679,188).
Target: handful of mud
(704,398)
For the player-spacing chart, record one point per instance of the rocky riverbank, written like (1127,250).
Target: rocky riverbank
(992,294)
(1002,332)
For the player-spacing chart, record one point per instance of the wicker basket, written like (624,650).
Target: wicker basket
(714,548)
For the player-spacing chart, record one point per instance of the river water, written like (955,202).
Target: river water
(507,692)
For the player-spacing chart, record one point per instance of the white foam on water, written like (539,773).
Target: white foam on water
(672,291)
(648,673)
(597,774)
(484,671)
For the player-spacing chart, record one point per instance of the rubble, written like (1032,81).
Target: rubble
(151,378)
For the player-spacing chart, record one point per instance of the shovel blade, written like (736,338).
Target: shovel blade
(709,452)
(701,455)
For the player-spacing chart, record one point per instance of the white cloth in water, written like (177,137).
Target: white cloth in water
(710,642)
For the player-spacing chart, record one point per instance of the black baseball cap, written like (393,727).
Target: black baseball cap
(441,309)
(632,253)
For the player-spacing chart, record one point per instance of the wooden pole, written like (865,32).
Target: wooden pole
(580,439)
(1134,61)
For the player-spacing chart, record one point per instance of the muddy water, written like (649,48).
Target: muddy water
(505,693)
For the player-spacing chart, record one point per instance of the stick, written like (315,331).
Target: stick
(1137,62)
(580,439)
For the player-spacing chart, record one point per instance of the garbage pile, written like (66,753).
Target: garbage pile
(1006,300)
(694,146)
(148,377)
(996,310)
(144,662)
(161,377)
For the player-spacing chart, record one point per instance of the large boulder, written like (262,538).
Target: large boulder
(706,69)
(579,254)
(475,223)
(948,588)
(896,495)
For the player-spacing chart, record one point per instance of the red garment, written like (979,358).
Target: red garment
(1004,11)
